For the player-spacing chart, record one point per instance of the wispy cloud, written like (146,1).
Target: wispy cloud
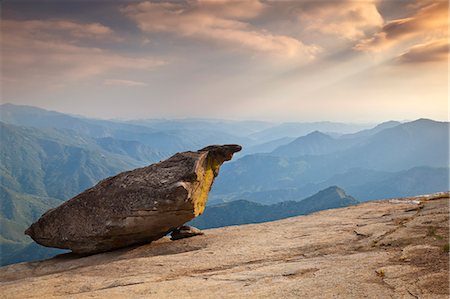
(435,51)
(346,19)
(74,29)
(121,82)
(429,22)
(222,22)
(35,51)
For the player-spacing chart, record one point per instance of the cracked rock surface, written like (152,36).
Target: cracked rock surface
(134,207)
(378,249)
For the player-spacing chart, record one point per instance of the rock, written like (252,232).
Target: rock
(134,207)
(185,231)
(313,256)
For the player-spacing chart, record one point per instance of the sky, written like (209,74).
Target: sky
(352,61)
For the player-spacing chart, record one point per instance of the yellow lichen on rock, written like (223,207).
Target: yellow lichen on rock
(205,181)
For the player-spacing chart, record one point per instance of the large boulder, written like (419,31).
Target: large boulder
(136,206)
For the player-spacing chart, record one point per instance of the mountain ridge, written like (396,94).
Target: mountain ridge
(394,149)
(244,212)
(364,184)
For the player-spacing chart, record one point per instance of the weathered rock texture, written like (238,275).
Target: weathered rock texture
(134,207)
(379,249)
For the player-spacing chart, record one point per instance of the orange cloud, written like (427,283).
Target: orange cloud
(428,22)
(221,22)
(435,51)
(346,19)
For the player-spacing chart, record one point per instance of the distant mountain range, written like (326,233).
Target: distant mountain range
(364,184)
(421,143)
(165,140)
(301,129)
(48,157)
(58,164)
(244,212)
(318,143)
(169,136)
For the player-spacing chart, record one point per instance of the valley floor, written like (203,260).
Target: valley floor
(380,249)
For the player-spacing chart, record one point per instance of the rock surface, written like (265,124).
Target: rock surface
(134,207)
(379,249)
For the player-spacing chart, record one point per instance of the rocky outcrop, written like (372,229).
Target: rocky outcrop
(378,249)
(134,207)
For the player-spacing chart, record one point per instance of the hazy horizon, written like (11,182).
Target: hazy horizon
(187,118)
(279,61)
